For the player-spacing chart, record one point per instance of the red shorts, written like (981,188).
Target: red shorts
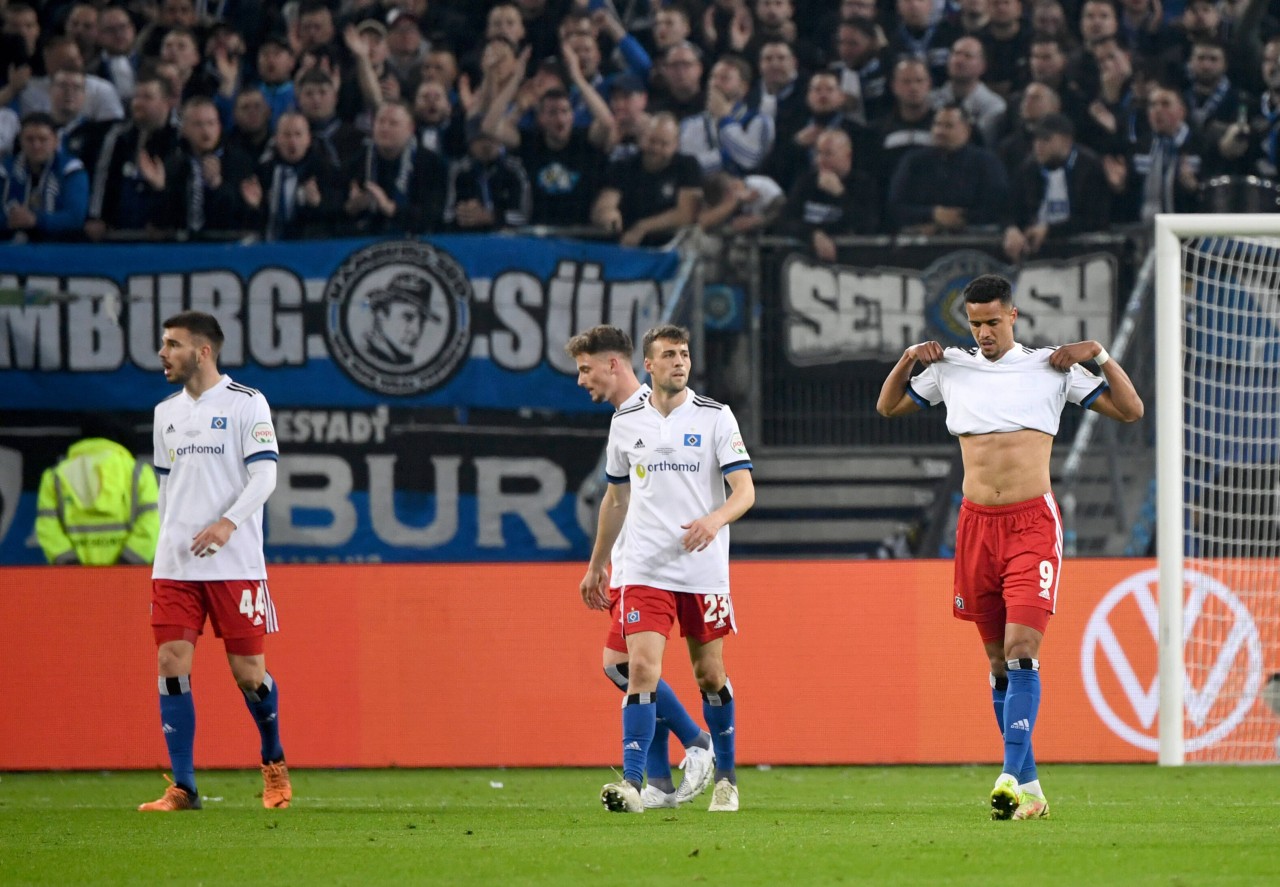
(1008,562)
(614,639)
(241,612)
(703,617)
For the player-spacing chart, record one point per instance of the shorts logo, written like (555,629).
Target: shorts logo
(219,422)
(398,317)
(959,602)
(263,433)
(736,444)
(633,616)
(693,440)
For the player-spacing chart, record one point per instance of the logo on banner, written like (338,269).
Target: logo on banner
(1118,660)
(839,313)
(398,317)
(946,279)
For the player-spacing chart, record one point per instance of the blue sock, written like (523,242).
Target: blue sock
(1021,703)
(178,719)
(658,760)
(717,709)
(998,688)
(639,717)
(676,717)
(1028,773)
(264,705)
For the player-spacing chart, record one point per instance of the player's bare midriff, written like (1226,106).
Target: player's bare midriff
(1007,467)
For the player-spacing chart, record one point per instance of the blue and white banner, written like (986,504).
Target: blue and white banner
(461,321)
(374,485)
(425,406)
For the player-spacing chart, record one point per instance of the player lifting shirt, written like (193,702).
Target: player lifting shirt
(1004,402)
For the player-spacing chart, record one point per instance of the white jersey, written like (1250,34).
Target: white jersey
(615,556)
(676,466)
(1020,390)
(202,448)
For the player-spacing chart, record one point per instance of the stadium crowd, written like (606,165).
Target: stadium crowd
(817,118)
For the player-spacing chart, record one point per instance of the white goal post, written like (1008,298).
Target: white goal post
(1217,317)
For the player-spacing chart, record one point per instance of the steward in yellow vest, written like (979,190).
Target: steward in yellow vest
(98,507)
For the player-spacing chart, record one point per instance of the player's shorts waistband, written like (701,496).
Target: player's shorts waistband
(1011,508)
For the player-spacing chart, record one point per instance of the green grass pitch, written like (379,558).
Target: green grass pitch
(798,826)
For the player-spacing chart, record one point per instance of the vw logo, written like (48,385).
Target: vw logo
(1227,675)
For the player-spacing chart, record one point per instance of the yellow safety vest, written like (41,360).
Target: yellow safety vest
(98,506)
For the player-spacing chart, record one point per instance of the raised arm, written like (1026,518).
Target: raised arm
(1121,402)
(894,400)
(370,89)
(602,122)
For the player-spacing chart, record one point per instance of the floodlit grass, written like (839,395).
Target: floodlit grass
(798,826)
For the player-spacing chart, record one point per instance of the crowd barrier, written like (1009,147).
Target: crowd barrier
(838,662)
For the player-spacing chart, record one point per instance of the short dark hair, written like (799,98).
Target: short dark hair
(1043,37)
(989,288)
(200,101)
(600,339)
(199,324)
(39,118)
(668,331)
(865,26)
(555,93)
(771,41)
(148,74)
(829,71)
(1208,43)
(738,63)
(189,34)
(314,77)
(310,7)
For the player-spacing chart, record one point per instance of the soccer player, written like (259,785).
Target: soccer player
(667,462)
(215,454)
(1004,402)
(603,355)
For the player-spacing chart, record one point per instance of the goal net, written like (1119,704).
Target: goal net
(1218,487)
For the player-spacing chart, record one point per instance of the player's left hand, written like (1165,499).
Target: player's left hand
(700,533)
(208,541)
(1065,357)
(594,589)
